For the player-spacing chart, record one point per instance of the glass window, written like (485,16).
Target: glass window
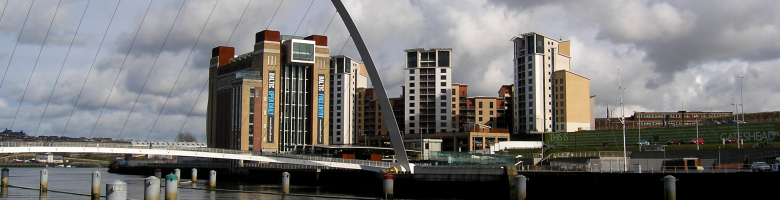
(491,104)
(480,104)
(411,85)
(443,70)
(303,51)
(411,91)
(411,59)
(444,58)
(411,78)
(443,110)
(443,83)
(411,104)
(443,104)
(443,118)
(443,77)
(444,91)
(411,71)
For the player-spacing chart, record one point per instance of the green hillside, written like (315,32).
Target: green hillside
(710,134)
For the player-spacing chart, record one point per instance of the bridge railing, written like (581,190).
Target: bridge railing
(197,149)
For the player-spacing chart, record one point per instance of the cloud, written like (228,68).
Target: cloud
(670,54)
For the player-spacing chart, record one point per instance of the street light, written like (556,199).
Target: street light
(741,98)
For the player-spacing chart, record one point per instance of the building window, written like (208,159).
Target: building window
(443,110)
(480,119)
(411,98)
(444,91)
(411,118)
(338,82)
(444,118)
(453,106)
(338,107)
(443,77)
(480,104)
(443,70)
(453,99)
(411,71)
(491,104)
(411,78)
(443,83)
(491,112)
(443,97)
(480,113)
(453,92)
(443,104)
(411,111)
(411,125)
(411,85)
(411,104)
(411,91)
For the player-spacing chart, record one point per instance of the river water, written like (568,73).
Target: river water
(79,180)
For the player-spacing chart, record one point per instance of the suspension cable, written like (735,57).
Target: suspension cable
(18,38)
(331,21)
(46,37)
(304,17)
(3,13)
(78,27)
(345,44)
(120,68)
(206,83)
(272,18)
(180,71)
(151,70)
(237,23)
(100,46)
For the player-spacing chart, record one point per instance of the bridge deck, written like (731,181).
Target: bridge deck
(122,148)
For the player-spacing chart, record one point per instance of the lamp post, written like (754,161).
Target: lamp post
(741,98)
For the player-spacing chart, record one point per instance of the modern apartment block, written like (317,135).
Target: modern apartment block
(571,94)
(428,81)
(536,57)
(370,122)
(346,76)
(494,112)
(272,99)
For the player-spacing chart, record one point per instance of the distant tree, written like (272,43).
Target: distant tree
(186,137)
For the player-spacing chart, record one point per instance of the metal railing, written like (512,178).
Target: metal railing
(590,154)
(198,149)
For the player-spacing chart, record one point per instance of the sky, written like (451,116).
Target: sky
(676,55)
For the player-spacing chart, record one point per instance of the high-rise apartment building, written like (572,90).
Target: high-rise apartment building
(370,121)
(572,98)
(536,57)
(346,76)
(272,99)
(428,81)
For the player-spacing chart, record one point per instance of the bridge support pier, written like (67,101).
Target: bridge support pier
(212,179)
(286,183)
(44,182)
(171,190)
(520,187)
(177,172)
(4,177)
(158,173)
(388,186)
(194,176)
(152,188)
(670,187)
(95,195)
(116,190)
